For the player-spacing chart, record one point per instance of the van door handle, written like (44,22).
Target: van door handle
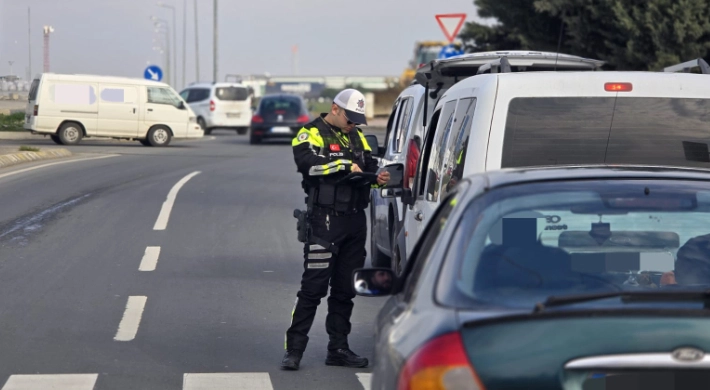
(150,109)
(419,216)
(134,110)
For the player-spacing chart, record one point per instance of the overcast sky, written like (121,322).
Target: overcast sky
(334,37)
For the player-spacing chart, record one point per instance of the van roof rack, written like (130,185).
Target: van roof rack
(687,66)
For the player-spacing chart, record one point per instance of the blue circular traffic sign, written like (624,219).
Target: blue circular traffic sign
(153,72)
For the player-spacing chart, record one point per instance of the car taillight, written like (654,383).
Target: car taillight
(441,364)
(36,110)
(618,87)
(411,166)
(303,119)
(211,105)
(257,119)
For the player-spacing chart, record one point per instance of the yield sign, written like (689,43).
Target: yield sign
(450,24)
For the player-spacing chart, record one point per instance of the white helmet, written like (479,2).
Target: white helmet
(353,102)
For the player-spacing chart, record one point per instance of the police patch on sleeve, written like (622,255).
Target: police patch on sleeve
(303,137)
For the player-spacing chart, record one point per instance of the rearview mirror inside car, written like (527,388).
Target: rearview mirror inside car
(374,145)
(396,181)
(373,282)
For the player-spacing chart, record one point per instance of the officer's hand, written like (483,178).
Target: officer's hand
(383,178)
(355,168)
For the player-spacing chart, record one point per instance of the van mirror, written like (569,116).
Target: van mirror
(375,145)
(373,282)
(396,181)
(181,106)
(391,192)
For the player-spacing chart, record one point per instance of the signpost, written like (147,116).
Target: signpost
(450,24)
(153,72)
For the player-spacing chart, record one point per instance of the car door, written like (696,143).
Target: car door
(163,108)
(429,174)
(118,110)
(380,205)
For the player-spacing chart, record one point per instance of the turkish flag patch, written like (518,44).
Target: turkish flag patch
(334,147)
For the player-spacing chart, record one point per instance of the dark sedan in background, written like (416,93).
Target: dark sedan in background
(278,116)
(584,278)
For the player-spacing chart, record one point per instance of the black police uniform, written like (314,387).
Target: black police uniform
(323,155)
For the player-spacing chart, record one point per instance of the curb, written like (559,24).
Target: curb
(7,160)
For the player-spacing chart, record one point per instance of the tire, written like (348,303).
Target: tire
(253,139)
(159,136)
(144,142)
(70,133)
(56,139)
(242,130)
(203,126)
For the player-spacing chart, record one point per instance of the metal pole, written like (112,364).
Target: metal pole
(197,49)
(184,39)
(29,41)
(174,50)
(169,69)
(214,44)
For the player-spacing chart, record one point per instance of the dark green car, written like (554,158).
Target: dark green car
(588,278)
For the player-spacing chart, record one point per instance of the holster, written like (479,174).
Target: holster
(303,224)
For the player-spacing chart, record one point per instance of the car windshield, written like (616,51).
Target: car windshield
(282,106)
(232,93)
(519,245)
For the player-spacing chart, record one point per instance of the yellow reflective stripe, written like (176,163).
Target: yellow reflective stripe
(365,145)
(453,202)
(331,167)
(311,136)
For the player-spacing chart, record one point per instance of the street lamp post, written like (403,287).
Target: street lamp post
(164,24)
(172,8)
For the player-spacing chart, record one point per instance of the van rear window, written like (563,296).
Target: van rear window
(607,130)
(34,88)
(232,93)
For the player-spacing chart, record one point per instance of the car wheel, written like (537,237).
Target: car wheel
(70,133)
(203,126)
(144,142)
(242,130)
(159,136)
(254,139)
(56,139)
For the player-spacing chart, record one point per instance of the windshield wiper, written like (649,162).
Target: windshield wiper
(627,296)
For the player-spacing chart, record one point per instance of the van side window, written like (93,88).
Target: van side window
(405,114)
(436,159)
(118,95)
(391,124)
(72,94)
(456,150)
(162,96)
(423,163)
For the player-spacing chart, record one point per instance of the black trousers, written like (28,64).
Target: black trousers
(320,268)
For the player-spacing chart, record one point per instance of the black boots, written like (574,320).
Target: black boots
(345,358)
(291,360)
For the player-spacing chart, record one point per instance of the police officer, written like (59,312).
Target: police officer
(326,151)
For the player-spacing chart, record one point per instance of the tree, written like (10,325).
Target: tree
(627,34)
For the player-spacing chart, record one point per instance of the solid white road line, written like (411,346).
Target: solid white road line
(228,381)
(128,327)
(55,382)
(164,215)
(364,378)
(150,259)
(55,163)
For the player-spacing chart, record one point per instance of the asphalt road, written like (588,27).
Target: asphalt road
(90,288)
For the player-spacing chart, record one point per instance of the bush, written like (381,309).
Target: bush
(25,148)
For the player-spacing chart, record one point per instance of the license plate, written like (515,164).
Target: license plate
(233,115)
(281,129)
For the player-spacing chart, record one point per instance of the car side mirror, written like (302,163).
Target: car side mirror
(373,282)
(375,145)
(396,182)
(181,106)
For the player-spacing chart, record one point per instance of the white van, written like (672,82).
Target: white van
(512,120)
(220,105)
(71,107)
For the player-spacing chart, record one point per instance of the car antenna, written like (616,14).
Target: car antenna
(559,41)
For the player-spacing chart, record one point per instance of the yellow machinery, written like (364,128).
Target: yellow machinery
(424,52)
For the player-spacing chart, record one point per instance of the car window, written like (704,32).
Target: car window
(33,90)
(436,159)
(391,124)
(456,149)
(420,254)
(607,130)
(519,244)
(423,163)
(231,93)
(72,94)
(159,95)
(282,105)
(119,95)
(405,115)
(185,95)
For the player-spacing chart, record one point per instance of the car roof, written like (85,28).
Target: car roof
(516,176)
(466,65)
(107,79)
(278,95)
(215,85)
